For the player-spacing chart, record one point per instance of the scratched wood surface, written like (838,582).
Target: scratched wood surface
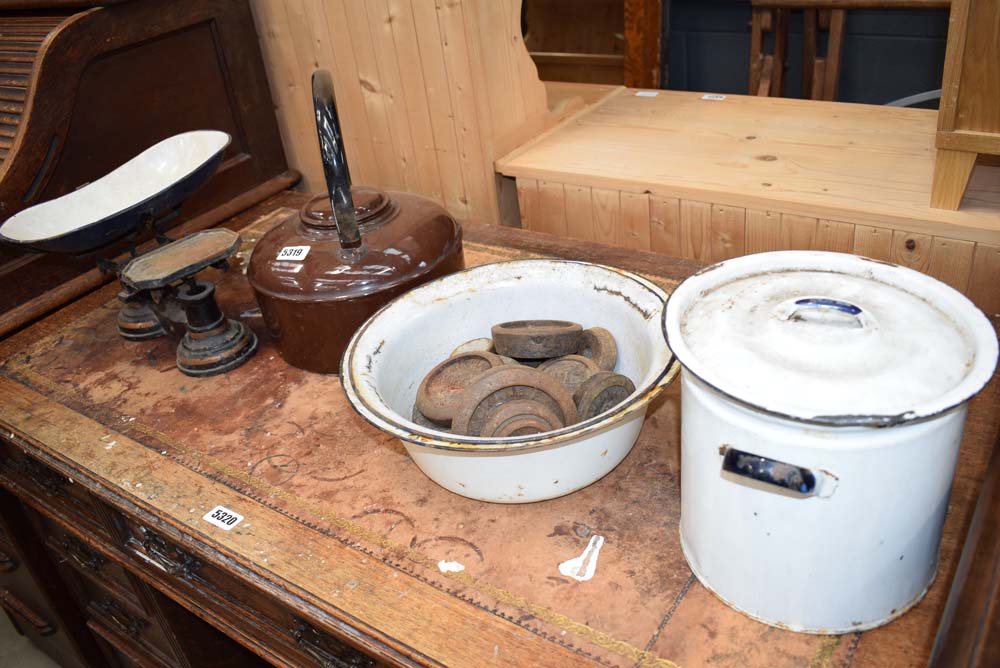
(285,439)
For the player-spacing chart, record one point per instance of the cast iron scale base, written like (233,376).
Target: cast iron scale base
(161,296)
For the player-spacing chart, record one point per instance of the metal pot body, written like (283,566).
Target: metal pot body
(821,529)
(314,294)
(313,335)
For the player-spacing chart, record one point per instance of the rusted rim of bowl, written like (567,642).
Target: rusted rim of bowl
(396,425)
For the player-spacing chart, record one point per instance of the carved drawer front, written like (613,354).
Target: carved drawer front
(122,651)
(5,538)
(60,495)
(25,606)
(128,623)
(68,550)
(290,639)
(8,560)
(8,554)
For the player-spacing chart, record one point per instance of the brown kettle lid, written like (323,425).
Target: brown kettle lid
(405,236)
(371,206)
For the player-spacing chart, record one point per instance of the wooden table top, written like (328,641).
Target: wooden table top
(338,518)
(854,163)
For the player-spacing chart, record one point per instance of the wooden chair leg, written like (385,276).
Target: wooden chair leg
(834,52)
(766,76)
(952,170)
(780,52)
(756,48)
(809,45)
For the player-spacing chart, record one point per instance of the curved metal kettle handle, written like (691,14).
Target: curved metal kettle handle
(331,148)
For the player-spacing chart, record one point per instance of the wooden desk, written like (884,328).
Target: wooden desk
(339,549)
(709,179)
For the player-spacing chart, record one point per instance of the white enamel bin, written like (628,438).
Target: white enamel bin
(821,418)
(390,354)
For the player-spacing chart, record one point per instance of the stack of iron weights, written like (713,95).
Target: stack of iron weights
(531,377)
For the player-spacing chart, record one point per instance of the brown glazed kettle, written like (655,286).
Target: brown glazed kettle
(320,275)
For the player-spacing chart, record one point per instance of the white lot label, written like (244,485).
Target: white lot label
(293,253)
(713,96)
(222,517)
(647,93)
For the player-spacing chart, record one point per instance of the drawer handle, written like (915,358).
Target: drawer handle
(170,558)
(17,610)
(40,474)
(78,551)
(127,623)
(328,652)
(8,564)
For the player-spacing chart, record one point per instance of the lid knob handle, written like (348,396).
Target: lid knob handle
(331,148)
(827,311)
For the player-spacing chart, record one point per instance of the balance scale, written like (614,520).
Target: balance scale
(160,295)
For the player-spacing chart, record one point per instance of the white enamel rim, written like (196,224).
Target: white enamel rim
(381,416)
(104,196)
(947,299)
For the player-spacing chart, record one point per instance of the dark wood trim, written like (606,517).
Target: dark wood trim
(642,43)
(969,633)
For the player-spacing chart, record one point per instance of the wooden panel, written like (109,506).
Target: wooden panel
(398,20)
(443,123)
(985,278)
(551,209)
(834,236)
(424,91)
(527,202)
(397,110)
(823,160)
(979,90)
(328,22)
(552,28)
(712,233)
(951,261)
(797,232)
(642,43)
(464,108)
(290,99)
(635,221)
(607,217)
(500,71)
(696,233)
(951,75)
(579,67)
(579,212)
(763,231)
(970,98)
(911,250)
(873,242)
(728,230)
(665,225)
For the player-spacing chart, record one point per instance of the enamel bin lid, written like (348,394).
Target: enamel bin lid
(830,338)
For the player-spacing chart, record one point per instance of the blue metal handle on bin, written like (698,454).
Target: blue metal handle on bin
(797,479)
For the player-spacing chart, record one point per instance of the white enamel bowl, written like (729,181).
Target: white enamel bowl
(387,358)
